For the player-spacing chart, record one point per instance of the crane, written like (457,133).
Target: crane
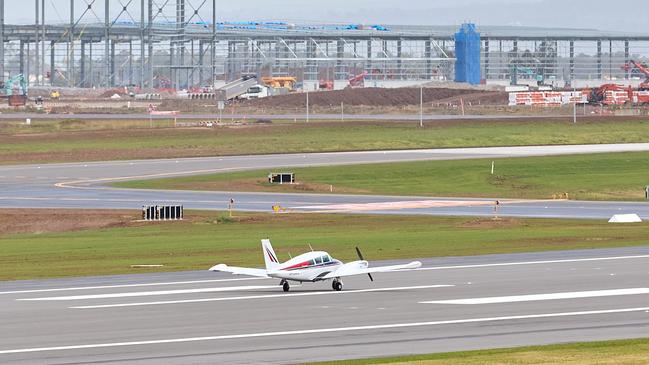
(642,68)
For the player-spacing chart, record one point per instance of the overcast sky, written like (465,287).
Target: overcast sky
(628,16)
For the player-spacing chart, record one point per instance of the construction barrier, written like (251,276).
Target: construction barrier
(641,97)
(613,97)
(148,96)
(547,98)
(201,96)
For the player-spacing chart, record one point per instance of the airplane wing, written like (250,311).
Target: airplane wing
(240,270)
(361,267)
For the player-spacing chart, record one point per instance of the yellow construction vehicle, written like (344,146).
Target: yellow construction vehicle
(55,95)
(286,82)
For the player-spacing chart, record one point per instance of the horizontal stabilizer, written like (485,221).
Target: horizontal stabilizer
(261,273)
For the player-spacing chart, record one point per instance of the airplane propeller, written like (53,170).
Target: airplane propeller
(360,256)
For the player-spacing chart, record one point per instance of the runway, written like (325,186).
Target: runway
(83,185)
(449,304)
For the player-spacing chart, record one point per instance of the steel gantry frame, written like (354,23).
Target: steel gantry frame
(180,44)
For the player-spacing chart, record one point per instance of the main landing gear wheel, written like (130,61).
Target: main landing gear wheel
(337,285)
(285,286)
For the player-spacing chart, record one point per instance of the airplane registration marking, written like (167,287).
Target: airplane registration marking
(541,297)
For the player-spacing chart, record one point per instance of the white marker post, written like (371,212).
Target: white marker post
(574,109)
(421,106)
(493,163)
(307,106)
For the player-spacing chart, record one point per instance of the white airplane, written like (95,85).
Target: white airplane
(310,267)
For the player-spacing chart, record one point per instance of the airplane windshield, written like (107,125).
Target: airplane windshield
(325,259)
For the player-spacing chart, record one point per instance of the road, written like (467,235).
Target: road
(82,185)
(376,117)
(449,304)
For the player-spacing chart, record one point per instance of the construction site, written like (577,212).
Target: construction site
(155,49)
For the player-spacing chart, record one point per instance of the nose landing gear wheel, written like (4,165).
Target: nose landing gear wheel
(285,286)
(337,285)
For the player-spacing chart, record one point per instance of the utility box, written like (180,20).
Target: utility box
(281,178)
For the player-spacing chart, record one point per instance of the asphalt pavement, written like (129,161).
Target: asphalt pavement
(83,185)
(449,304)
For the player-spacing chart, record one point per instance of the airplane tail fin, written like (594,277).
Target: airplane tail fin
(270,258)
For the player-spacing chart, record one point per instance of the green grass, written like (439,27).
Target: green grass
(615,176)
(72,141)
(585,353)
(200,243)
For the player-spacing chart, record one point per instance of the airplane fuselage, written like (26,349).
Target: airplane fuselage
(311,266)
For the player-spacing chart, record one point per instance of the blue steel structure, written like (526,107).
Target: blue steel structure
(467,54)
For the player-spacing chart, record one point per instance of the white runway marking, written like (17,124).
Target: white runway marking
(548,296)
(265,296)
(532,263)
(395,205)
(323,330)
(151,293)
(419,269)
(127,285)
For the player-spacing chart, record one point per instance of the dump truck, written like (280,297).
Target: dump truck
(235,88)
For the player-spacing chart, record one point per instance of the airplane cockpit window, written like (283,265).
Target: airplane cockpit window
(318,260)
(325,258)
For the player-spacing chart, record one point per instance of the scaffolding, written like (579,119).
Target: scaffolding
(181,44)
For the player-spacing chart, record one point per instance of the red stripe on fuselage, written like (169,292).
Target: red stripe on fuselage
(298,266)
(307,265)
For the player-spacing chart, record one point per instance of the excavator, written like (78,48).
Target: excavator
(357,80)
(613,94)
(598,95)
(15,90)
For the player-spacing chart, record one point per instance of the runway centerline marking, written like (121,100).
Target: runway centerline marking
(323,330)
(531,263)
(264,296)
(541,297)
(127,285)
(151,293)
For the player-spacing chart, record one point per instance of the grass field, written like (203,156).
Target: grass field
(207,238)
(75,140)
(617,176)
(627,352)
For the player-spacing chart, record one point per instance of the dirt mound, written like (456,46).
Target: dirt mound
(381,97)
(37,221)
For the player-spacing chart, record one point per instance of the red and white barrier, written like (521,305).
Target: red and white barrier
(547,98)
